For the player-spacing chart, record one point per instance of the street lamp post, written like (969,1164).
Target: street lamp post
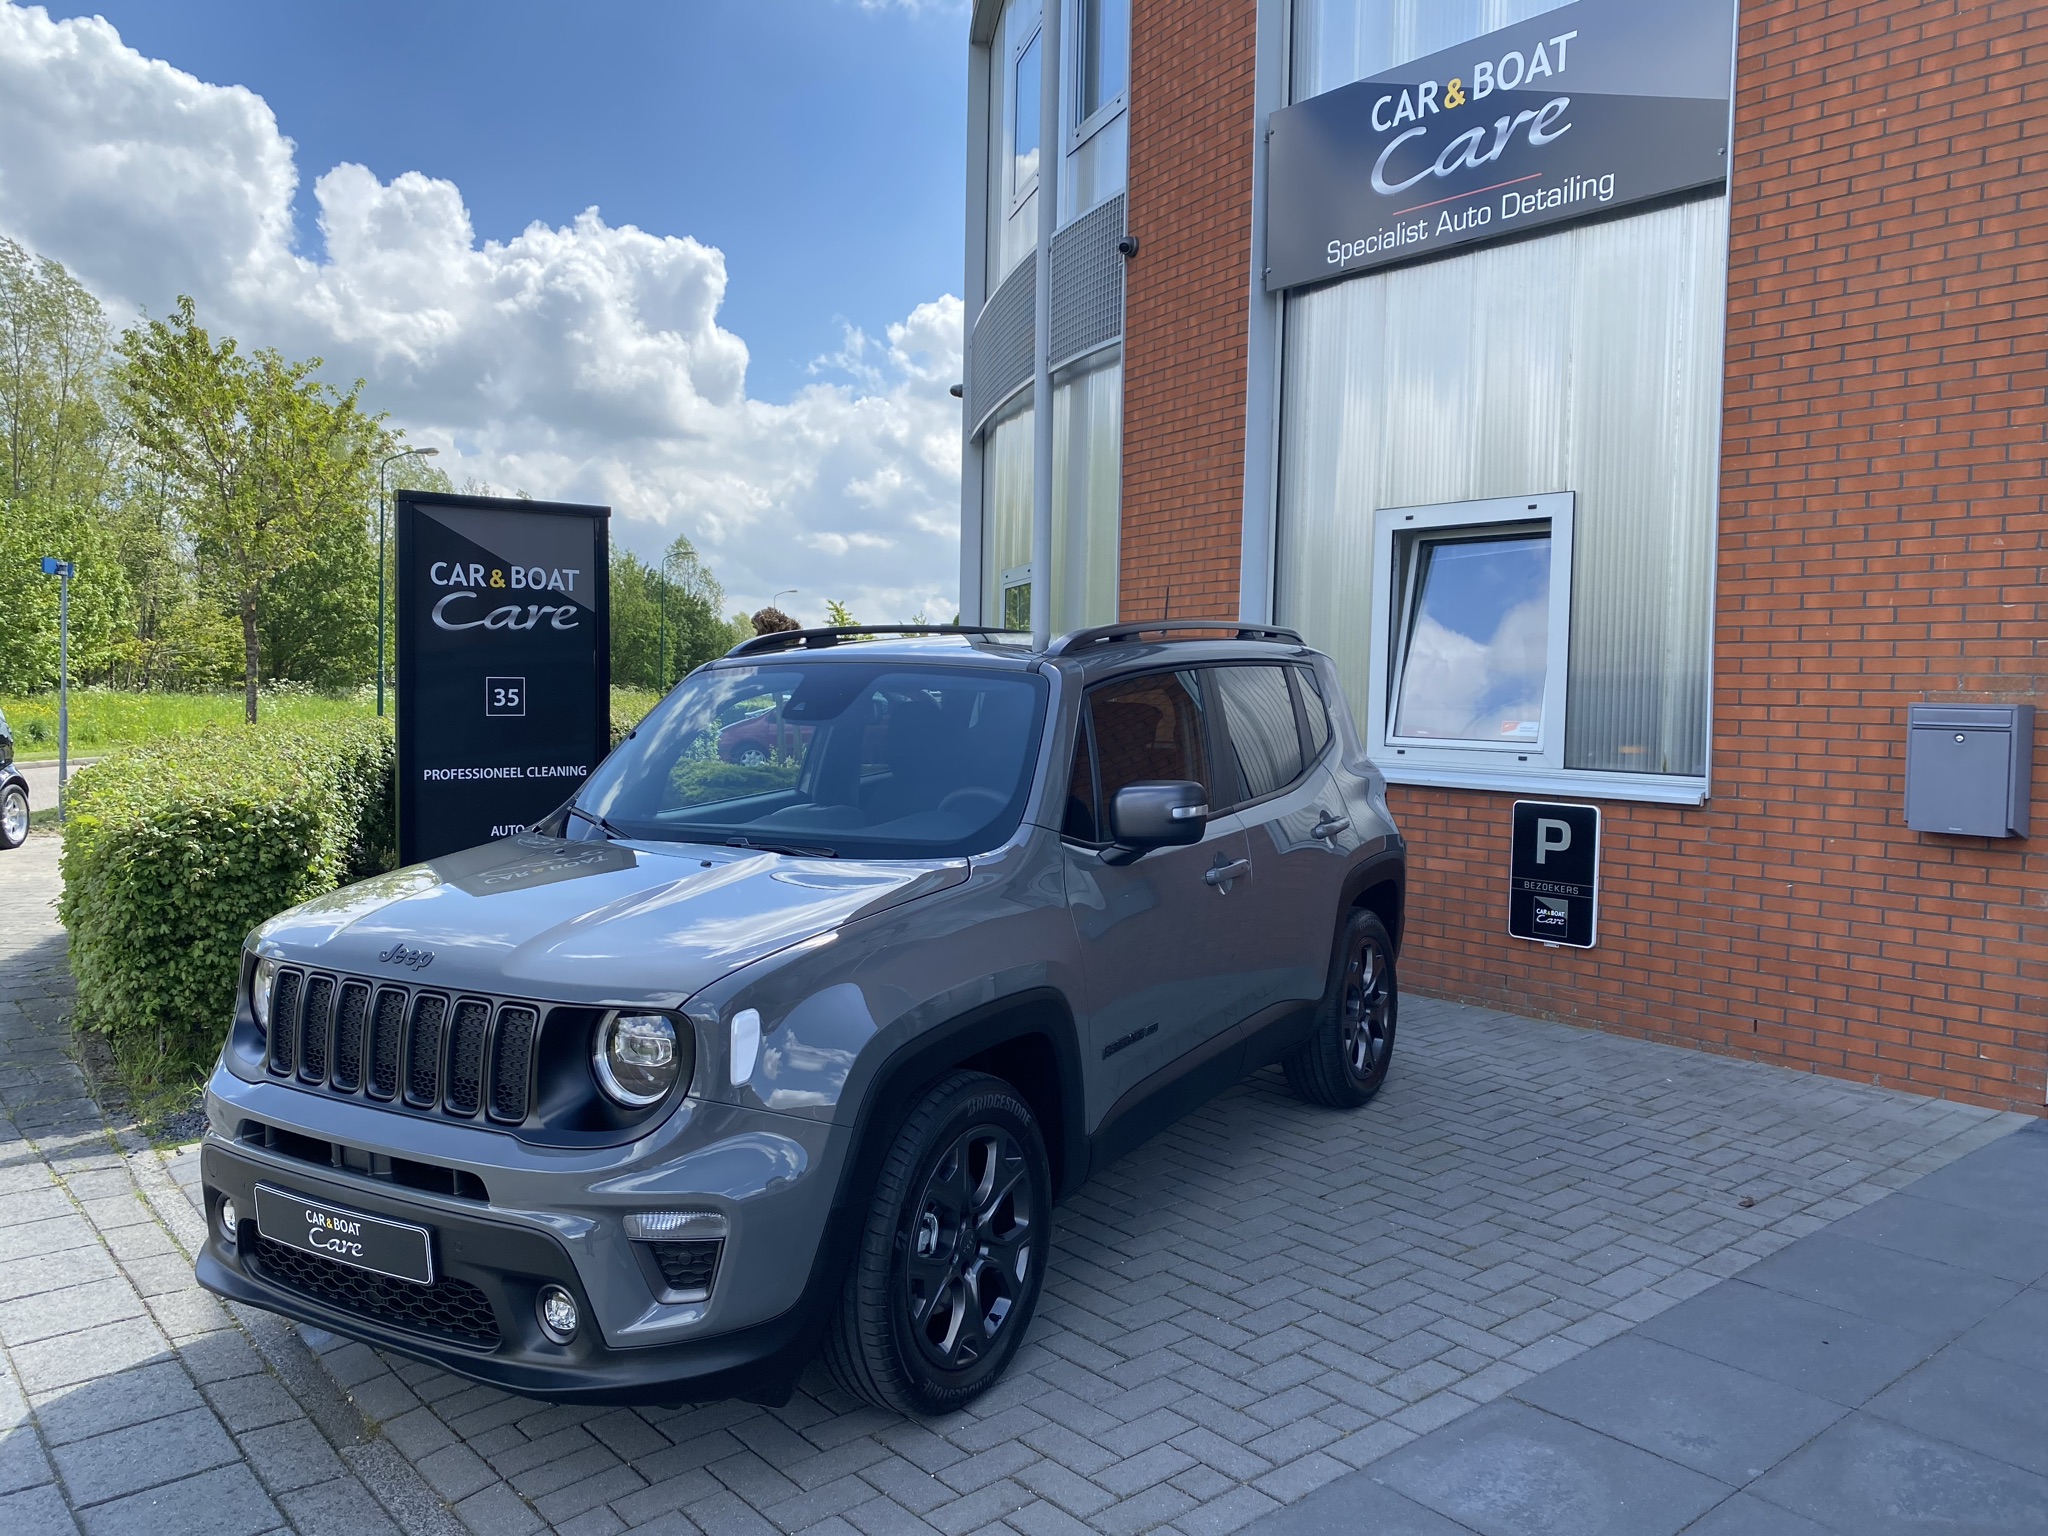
(382,497)
(63,570)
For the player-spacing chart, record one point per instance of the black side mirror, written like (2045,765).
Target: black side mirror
(1162,813)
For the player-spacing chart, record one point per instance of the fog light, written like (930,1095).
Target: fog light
(230,1222)
(557,1314)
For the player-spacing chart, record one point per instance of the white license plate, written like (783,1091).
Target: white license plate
(398,1249)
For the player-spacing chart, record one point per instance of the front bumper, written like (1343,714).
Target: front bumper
(479,1319)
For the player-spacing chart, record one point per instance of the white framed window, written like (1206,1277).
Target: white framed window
(1016,586)
(1102,65)
(1471,624)
(1026,76)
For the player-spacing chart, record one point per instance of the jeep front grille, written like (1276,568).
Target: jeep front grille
(315,1032)
(350,1014)
(463,1056)
(284,1004)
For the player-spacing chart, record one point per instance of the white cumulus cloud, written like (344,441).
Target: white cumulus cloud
(584,362)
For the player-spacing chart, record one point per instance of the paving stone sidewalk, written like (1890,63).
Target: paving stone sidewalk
(1260,1300)
(131,1402)
(1889,1374)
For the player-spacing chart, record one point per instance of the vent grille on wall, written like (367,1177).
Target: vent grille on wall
(1001,349)
(1087,310)
(1087,283)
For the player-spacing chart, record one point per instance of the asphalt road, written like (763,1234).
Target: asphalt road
(42,780)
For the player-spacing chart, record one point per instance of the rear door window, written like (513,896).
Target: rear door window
(1258,712)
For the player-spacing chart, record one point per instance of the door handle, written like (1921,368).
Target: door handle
(1223,874)
(1330,826)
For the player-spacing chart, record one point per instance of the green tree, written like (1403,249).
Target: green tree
(60,443)
(319,619)
(696,633)
(60,461)
(838,615)
(636,621)
(665,618)
(265,459)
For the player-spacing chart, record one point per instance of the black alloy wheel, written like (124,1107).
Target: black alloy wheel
(13,816)
(970,1248)
(1345,1059)
(953,1253)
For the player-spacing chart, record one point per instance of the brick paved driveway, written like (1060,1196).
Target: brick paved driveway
(1262,1298)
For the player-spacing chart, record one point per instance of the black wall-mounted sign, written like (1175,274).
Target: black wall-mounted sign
(1576,112)
(504,663)
(1554,874)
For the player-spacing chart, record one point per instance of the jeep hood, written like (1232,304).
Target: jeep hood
(590,922)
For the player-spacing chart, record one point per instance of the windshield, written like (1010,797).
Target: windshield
(882,760)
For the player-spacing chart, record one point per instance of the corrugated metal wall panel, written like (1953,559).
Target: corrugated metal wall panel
(1587,361)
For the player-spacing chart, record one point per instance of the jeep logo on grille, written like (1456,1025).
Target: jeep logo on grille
(412,959)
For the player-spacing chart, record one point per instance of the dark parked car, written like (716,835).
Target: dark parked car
(13,793)
(717,1065)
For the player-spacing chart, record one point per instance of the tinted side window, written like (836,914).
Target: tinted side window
(1259,710)
(1148,728)
(1316,711)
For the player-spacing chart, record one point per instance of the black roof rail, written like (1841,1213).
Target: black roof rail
(1105,634)
(820,639)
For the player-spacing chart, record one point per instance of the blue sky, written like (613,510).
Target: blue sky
(818,143)
(749,341)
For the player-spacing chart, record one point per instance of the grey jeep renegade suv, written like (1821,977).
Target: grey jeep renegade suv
(741,1055)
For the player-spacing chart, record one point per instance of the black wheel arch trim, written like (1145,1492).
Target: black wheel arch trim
(1389,867)
(981,1038)
(969,1040)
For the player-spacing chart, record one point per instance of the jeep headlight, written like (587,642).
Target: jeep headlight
(260,987)
(639,1057)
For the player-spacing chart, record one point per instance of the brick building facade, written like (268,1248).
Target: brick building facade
(1878,409)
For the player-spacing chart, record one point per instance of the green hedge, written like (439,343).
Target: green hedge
(629,708)
(176,850)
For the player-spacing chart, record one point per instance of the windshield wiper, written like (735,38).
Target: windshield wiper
(795,850)
(598,822)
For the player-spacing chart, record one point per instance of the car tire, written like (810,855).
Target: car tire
(952,1254)
(13,816)
(753,757)
(1345,1058)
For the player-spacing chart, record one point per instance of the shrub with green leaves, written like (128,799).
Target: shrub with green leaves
(176,850)
(629,708)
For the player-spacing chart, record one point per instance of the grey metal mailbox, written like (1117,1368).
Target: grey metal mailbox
(1969,768)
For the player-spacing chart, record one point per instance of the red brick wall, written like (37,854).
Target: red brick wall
(1883,532)
(1185,304)
(1882,542)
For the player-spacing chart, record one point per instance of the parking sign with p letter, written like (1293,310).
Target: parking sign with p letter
(1554,874)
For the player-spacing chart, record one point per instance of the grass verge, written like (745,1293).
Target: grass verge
(105,719)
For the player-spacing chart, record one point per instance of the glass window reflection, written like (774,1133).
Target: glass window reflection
(1474,640)
(1026,85)
(1105,55)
